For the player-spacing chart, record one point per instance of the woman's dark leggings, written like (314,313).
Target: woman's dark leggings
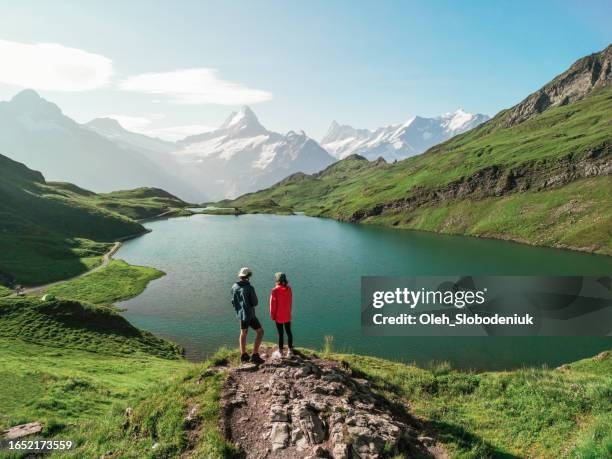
(279,329)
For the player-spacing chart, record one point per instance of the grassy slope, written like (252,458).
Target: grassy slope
(85,365)
(51,231)
(115,282)
(142,203)
(577,216)
(83,317)
(72,325)
(354,185)
(77,367)
(159,419)
(63,387)
(523,413)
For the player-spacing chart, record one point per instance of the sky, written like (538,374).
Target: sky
(176,68)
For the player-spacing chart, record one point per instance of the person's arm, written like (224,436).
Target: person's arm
(233,300)
(273,306)
(254,300)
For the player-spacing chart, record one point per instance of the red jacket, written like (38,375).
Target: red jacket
(280,304)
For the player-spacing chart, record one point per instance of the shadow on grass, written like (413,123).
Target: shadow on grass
(94,318)
(470,444)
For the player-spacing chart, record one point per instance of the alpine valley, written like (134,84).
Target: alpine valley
(537,173)
(110,281)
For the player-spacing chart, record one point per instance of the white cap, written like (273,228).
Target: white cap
(245,272)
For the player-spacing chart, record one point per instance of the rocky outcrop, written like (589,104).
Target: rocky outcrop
(311,407)
(496,181)
(585,75)
(23,430)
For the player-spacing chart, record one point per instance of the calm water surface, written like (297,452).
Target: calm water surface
(324,261)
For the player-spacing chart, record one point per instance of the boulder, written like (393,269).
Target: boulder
(279,436)
(22,430)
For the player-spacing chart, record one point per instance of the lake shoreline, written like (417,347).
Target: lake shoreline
(189,305)
(239,212)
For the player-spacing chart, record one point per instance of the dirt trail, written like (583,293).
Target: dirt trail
(105,260)
(307,406)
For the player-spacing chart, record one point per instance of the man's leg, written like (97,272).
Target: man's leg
(258,339)
(243,337)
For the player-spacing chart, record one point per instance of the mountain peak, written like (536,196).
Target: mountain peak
(106,124)
(585,75)
(28,95)
(243,123)
(337,131)
(29,101)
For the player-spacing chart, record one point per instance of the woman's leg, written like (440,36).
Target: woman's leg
(279,329)
(289,335)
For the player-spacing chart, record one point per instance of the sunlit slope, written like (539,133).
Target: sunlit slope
(50,231)
(517,169)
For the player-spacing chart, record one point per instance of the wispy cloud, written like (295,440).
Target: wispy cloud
(140,124)
(174,133)
(144,125)
(194,86)
(51,66)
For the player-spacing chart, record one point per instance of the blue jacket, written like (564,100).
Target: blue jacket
(244,300)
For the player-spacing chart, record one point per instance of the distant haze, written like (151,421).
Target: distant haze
(238,157)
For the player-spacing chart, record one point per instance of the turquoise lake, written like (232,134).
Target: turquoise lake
(324,261)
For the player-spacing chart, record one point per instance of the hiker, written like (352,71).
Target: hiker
(244,301)
(280,311)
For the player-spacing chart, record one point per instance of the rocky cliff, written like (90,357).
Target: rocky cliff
(584,76)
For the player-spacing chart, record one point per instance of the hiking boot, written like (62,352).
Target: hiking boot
(256,359)
(244,358)
(290,353)
(277,354)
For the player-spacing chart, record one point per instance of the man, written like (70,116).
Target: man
(244,301)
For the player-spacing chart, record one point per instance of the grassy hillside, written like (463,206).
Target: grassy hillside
(73,325)
(142,203)
(523,413)
(84,396)
(77,368)
(158,427)
(65,387)
(51,231)
(115,282)
(555,163)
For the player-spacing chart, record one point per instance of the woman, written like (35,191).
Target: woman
(280,311)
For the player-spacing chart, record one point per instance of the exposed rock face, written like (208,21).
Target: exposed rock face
(499,181)
(585,75)
(311,407)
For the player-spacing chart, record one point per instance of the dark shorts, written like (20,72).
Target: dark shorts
(253,323)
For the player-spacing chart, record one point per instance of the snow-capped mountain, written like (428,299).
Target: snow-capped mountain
(153,148)
(242,156)
(401,140)
(35,132)
(112,130)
